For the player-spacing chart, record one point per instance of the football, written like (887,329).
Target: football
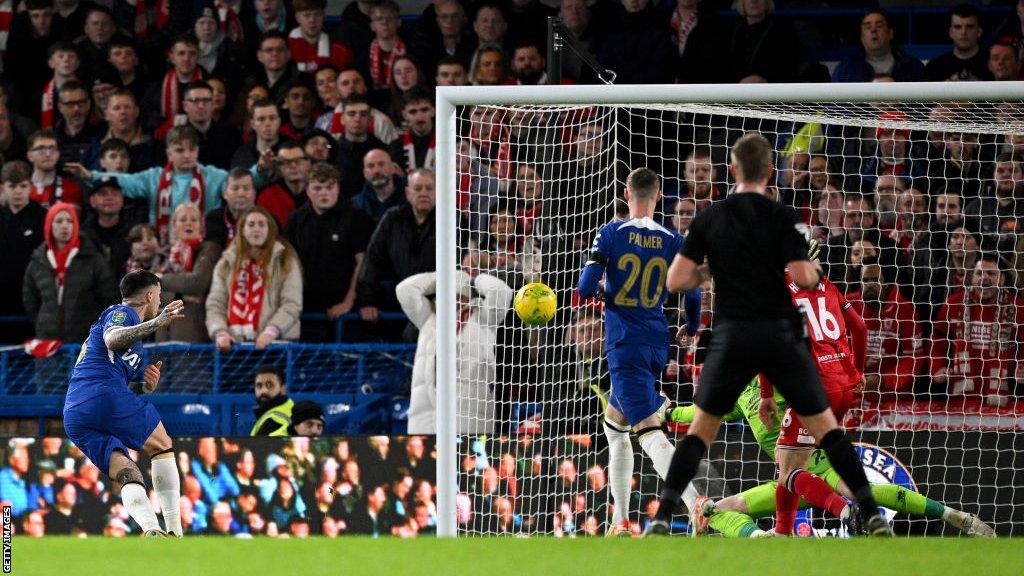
(536,303)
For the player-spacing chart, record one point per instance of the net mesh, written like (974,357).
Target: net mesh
(922,189)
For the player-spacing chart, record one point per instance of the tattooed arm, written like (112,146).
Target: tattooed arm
(120,337)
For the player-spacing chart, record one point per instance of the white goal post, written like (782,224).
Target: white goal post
(793,102)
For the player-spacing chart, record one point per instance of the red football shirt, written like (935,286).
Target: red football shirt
(823,307)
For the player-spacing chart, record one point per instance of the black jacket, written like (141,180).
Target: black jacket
(113,242)
(327,244)
(350,162)
(218,144)
(398,249)
(19,235)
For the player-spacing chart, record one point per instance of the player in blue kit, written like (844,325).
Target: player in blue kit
(104,418)
(633,255)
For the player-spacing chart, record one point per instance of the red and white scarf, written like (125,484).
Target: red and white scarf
(381,62)
(409,148)
(163,16)
(165,201)
(60,258)
(682,28)
(183,255)
(247,292)
(6,17)
(46,194)
(230,24)
(170,100)
(306,54)
(49,96)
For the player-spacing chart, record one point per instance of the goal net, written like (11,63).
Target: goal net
(915,199)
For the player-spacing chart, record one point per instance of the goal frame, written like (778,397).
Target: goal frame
(448,98)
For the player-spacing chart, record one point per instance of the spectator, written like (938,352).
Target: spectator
(309,45)
(62,518)
(701,178)
(299,102)
(999,213)
(182,180)
(950,273)
(912,218)
(447,38)
(188,274)
(21,230)
(47,186)
(355,142)
(145,252)
(93,45)
(320,146)
(124,59)
(222,523)
(307,419)
(268,15)
(213,475)
(67,283)
(265,120)
(488,67)
(483,301)
(450,70)
(369,517)
(406,75)
(892,153)
(1003,62)
(326,81)
(284,505)
(274,407)
(887,190)
(967,61)
(878,56)
(588,29)
(245,470)
(13,483)
(414,148)
(216,141)
(34,525)
(477,189)
(490,25)
(288,193)
(69,17)
(977,326)
(828,215)
(351,82)
(108,223)
(401,245)
(763,48)
(896,352)
(528,65)
(28,45)
(64,61)
(387,45)
(163,101)
(259,275)
(639,47)
(276,70)
(683,213)
(218,55)
(122,117)
(12,139)
(330,237)
(239,198)
(382,190)
(859,224)
(697,36)
(193,500)
(75,129)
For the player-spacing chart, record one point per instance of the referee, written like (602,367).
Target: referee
(749,241)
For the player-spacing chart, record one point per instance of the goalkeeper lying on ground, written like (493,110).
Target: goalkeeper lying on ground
(735,516)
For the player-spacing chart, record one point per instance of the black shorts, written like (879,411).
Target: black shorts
(742,349)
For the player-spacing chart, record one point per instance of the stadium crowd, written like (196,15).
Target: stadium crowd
(262,155)
(241,487)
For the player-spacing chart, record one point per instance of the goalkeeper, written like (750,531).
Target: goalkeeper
(735,516)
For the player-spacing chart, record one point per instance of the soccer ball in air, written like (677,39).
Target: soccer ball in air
(535,303)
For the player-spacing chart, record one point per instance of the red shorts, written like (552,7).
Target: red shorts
(794,435)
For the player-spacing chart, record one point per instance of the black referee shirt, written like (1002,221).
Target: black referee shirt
(748,240)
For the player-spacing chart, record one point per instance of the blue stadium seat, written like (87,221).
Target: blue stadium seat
(187,415)
(370,415)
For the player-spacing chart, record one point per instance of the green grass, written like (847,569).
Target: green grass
(498,556)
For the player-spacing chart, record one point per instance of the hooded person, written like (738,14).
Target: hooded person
(307,419)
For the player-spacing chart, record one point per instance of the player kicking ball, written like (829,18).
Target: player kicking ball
(105,419)
(634,253)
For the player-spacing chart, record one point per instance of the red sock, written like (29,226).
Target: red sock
(817,493)
(785,509)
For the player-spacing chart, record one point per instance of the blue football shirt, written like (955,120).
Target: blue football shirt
(99,368)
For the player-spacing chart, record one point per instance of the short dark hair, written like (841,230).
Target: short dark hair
(752,156)
(44,134)
(239,172)
(137,282)
(38,4)
(451,61)
(269,369)
(264,103)
(16,172)
(290,145)
(643,183)
(113,145)
(355,99)
(63,46)
(185,38)
(965,11)
(324,172)
(72,86)
(197,85)
(417,94)
(270,35)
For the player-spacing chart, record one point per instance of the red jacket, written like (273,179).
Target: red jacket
(277,200)
(982,342)
(895,347)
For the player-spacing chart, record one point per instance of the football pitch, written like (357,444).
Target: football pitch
(515,556)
